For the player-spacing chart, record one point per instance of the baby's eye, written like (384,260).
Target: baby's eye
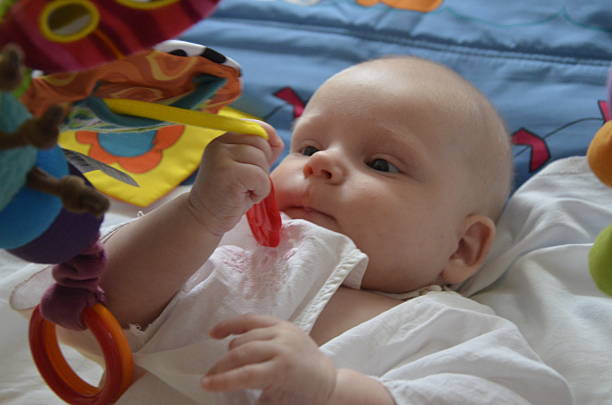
(383,166)
(308,150)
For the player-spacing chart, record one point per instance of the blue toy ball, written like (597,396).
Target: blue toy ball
(31,212)
(68,235)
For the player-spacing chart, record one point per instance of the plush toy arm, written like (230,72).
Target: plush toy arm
(76,196)
(10,68)
(39,132)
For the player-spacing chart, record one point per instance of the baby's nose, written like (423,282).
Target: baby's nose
(323,165)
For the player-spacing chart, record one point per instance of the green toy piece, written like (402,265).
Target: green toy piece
(600,261)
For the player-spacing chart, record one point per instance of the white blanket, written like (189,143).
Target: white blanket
(542,250)
(544,237)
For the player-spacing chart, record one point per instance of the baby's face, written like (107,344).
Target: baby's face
(373,162)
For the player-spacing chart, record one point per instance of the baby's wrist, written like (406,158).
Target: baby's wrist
(206,219)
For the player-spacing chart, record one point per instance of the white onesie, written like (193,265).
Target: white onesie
(438,348)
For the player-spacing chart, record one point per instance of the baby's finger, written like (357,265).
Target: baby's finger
(260,334)
(248,155)
(241,324)
(250,376)
(254,182)
(232,138)
(252,353)
(276,143)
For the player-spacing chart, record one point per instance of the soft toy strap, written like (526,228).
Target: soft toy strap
(76,287)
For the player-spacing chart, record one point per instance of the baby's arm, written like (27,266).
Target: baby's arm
(151,258)
(355,388)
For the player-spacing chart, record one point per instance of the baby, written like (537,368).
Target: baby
(399,168)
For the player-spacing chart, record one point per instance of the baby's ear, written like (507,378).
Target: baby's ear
(474,244)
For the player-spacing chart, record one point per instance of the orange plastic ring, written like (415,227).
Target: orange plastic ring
(58,374)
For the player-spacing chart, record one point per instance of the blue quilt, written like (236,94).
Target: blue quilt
(543,64)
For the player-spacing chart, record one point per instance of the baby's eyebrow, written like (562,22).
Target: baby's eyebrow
(403,139)
(408,147)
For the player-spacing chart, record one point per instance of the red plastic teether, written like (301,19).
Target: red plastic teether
(265,221)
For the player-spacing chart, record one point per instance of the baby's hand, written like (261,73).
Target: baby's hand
(233,176)
(274,356)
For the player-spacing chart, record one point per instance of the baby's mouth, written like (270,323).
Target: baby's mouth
(309,214)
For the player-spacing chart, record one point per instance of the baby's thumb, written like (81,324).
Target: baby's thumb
(276,143)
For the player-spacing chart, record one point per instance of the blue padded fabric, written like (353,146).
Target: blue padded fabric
(543,64)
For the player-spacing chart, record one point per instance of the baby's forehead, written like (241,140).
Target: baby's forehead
(405,70)
(420,81)
(405,86)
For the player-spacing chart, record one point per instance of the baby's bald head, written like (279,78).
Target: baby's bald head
(408,160)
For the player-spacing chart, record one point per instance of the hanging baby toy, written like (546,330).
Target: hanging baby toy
(599,156)
(100,60)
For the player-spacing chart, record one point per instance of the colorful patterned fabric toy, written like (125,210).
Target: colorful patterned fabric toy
(156,155)
(68,35)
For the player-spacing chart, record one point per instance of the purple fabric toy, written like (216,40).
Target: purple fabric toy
(76,287)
